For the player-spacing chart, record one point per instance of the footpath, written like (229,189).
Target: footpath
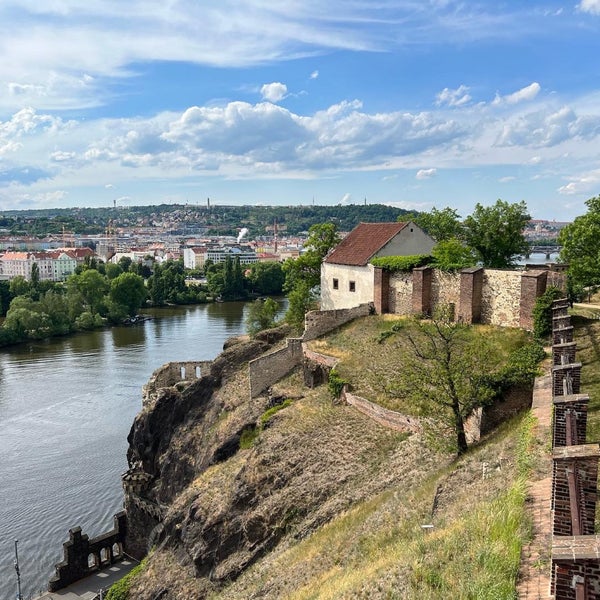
(92,587)
(534,576)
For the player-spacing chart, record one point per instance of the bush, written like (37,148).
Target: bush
(336,384)
(268,414)
(248,437)
(542,313)
(401,263)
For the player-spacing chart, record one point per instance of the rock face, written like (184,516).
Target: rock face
(215,481)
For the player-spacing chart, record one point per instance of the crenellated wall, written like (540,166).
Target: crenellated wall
(83,556)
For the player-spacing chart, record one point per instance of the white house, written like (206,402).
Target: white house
(347,278)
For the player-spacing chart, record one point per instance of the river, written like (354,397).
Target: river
(66,407)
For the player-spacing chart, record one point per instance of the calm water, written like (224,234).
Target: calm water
(66,407)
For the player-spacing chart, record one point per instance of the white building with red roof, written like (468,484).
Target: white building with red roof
(348,278)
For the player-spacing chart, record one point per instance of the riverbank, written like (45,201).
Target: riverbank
(66,407)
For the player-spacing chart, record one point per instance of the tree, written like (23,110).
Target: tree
(93,288)
(441,225)
(580,248)
(261,315)
(452,254)
(303,274)
(129,292)
(496,233)
(445,370)
(19,286)
(266,278)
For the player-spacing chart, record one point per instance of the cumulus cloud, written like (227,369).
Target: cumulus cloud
(426,173)
(527,93)
(457,97)
(545,129)
(314,75)
(589,6)
(346,198)
(274,92)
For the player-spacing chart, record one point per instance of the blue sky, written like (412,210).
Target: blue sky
(414,103)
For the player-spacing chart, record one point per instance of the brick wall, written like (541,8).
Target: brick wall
(569,425)
(574,489)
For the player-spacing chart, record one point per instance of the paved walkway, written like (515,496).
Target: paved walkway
(534,576)
(89,588)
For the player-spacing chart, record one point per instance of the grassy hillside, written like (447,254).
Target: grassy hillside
(350,499)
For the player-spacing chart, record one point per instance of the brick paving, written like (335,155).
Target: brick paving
(534,576)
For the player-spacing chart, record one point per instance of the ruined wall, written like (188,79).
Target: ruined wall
(320,322)
(500,300)
(172,373)
(266,370)
(383,416)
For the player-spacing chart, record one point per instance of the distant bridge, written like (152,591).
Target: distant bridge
(547,250)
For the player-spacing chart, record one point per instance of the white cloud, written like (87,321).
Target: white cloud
(457,97)
(274,92)
(507,179)
(545,129)
(527,93)
(346,198)
(585,183)
(590,6)
(426,173)
(314,75)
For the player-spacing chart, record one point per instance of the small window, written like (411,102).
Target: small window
(336,284)
(352,286)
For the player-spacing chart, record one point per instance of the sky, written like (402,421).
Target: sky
(412,103)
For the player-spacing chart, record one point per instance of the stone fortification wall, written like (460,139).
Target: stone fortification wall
(83,556)
(320,322)
(172,373)
(400,293)
(383,416)
(266,370)
(445,289)
(500,297)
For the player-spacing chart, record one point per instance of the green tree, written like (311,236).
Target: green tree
(580,247)
(261,315)
(451,255)
(34,288)
(93,288)
(445,370)
(441,224)
(128,291)
(303,274)
(266,278)
(113,271)
(496,233)
(19,286)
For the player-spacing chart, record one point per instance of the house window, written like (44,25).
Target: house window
(352,286)
(336,284)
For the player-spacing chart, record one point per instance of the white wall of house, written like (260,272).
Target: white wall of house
(339,295)
(411,240)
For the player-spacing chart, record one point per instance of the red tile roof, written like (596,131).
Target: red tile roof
(363,242)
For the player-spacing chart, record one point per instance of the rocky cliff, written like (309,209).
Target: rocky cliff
(217,480)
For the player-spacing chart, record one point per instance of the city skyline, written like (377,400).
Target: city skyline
(413,104)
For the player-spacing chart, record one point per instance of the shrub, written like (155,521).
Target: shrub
(336,384)
(248,437)
(269,413)
(542,313)
(401,263)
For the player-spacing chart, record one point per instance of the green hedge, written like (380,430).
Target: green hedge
(401,263)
